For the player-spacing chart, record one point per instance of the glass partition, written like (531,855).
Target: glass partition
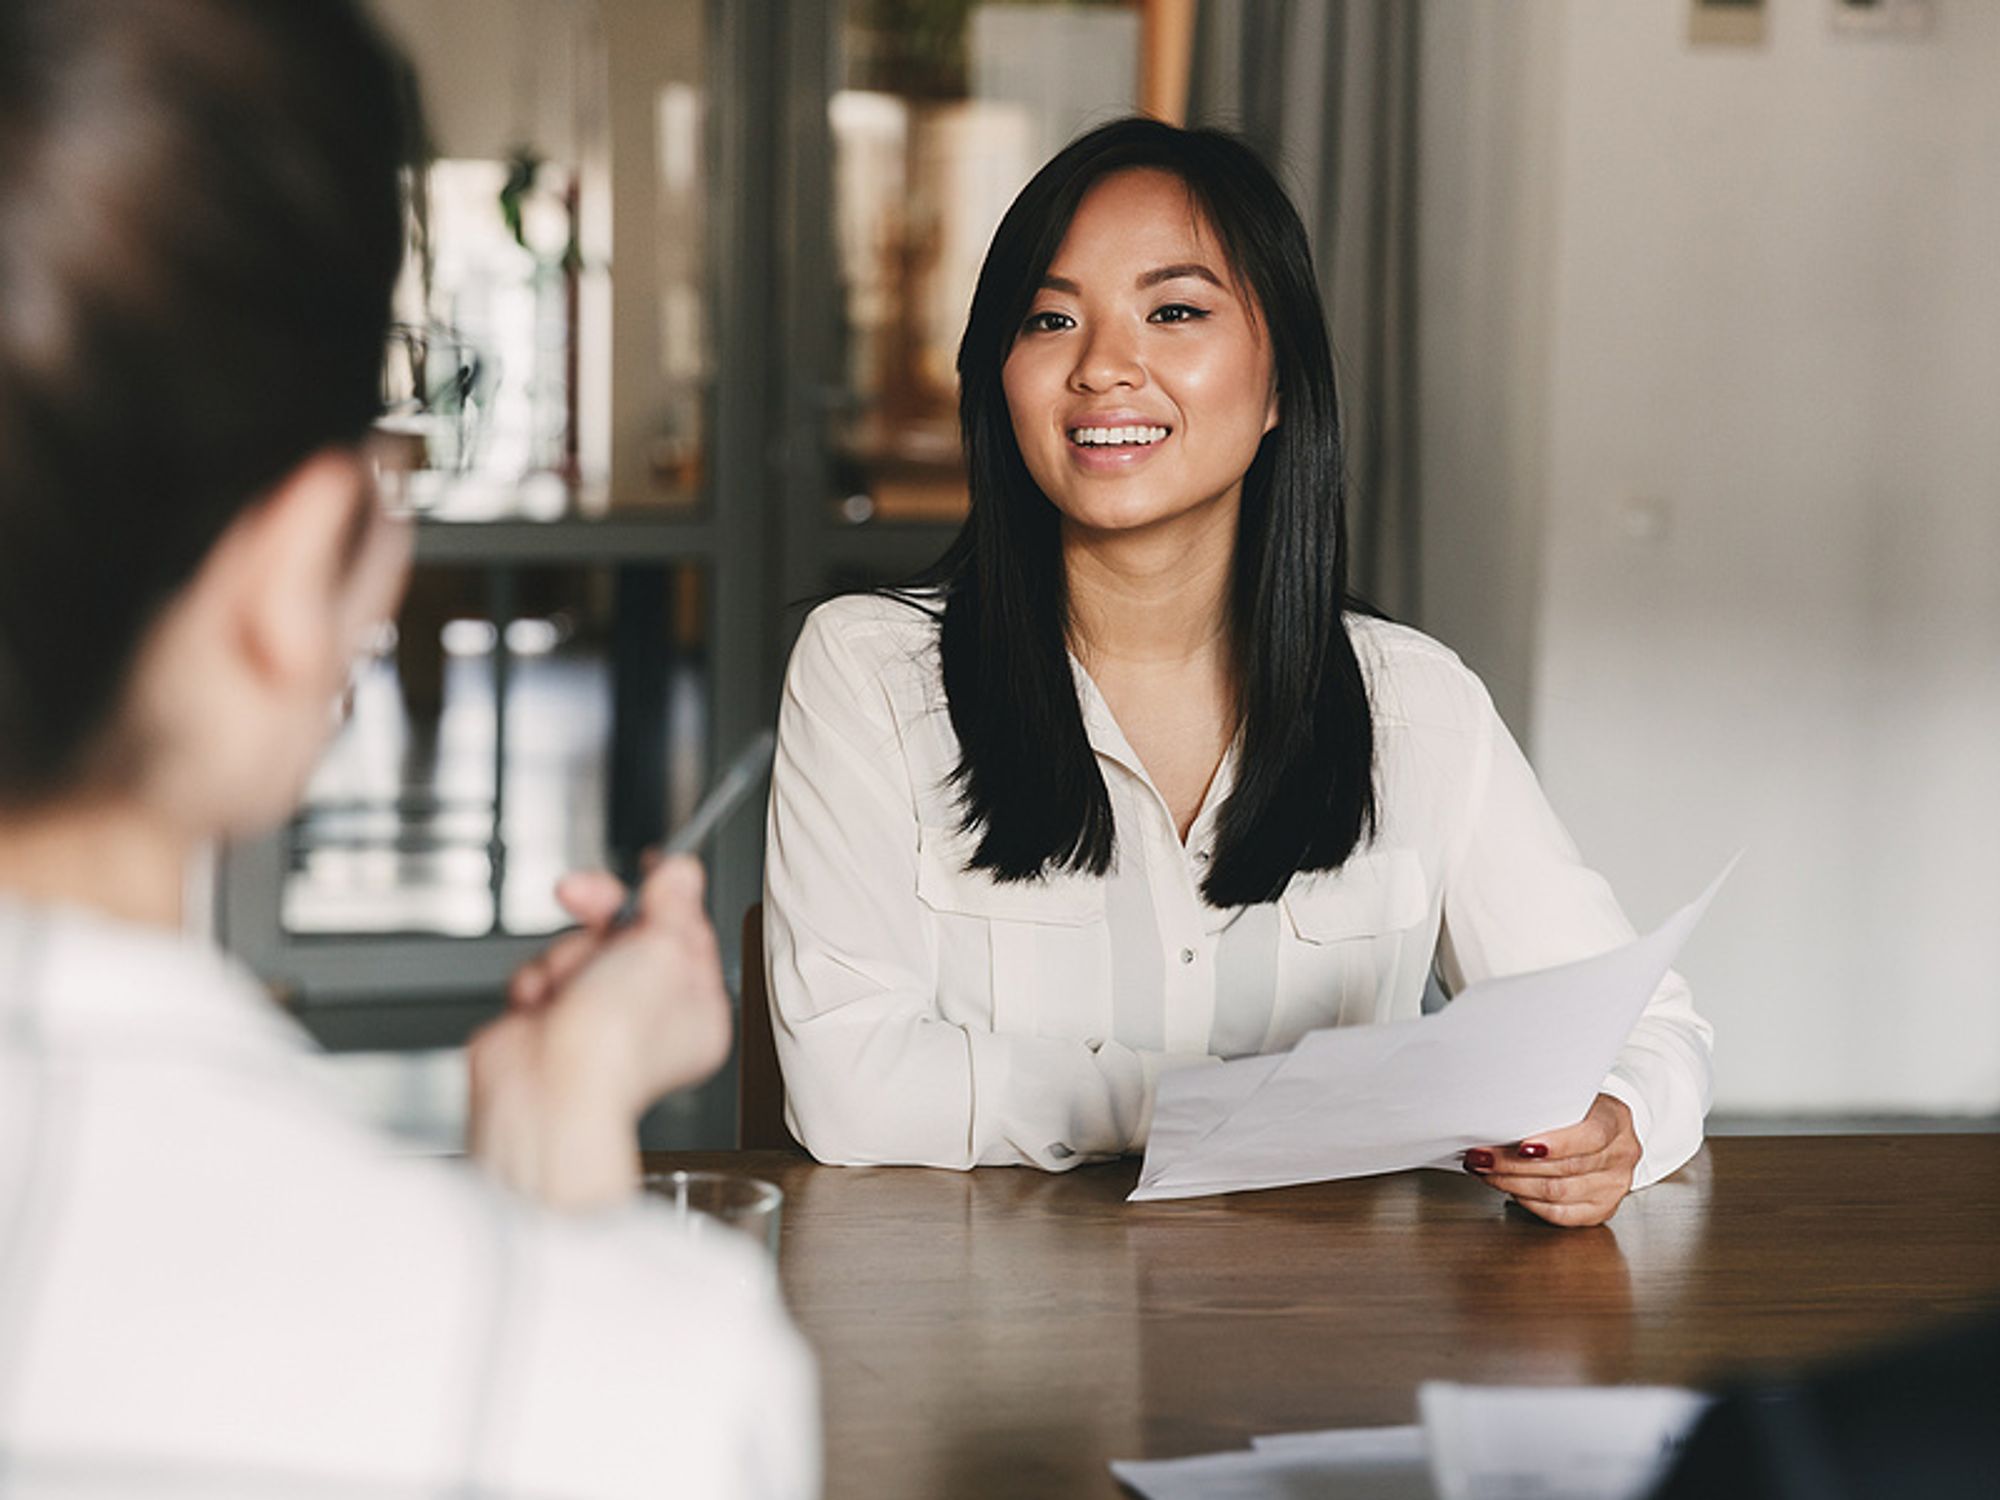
(942,111)
(551,358)
(545,698)
(523,721)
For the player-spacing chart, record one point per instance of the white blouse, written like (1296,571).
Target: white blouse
(929,1015)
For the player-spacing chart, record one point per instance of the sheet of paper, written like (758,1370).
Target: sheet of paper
(1475,1443)
(1522,1443)
(1356,1445)
(1205,1098)
(1301,1466)
(1508,1057)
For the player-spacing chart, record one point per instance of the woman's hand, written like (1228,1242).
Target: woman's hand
(1574,1177)
(600,1025)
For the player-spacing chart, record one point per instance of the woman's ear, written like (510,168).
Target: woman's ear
(280,569)
(237,687)
(1271,409)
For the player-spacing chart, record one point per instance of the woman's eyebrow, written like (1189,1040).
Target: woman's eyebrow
(1175,273)
(1148,278)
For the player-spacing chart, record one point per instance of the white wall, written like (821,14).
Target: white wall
(1768,529)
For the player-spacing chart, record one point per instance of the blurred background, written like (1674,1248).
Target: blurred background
(1670,337)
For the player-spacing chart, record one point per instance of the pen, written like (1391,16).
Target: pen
(737,781)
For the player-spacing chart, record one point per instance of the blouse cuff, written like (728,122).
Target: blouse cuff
(1652,1164)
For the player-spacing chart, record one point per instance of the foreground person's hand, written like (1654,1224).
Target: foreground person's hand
(1575,1176)
(598,1027)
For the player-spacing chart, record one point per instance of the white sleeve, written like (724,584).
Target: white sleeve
(782,1448)
(642,1361)
(1519,897)
(873,1074)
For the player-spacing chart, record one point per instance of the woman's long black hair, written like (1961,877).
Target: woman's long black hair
(1028,782)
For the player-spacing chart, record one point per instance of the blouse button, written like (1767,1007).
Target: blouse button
(1201,856)
(1187,955)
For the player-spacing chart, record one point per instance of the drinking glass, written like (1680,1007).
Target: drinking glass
(716,1202)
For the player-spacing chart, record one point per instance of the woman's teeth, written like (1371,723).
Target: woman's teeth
(1113,437)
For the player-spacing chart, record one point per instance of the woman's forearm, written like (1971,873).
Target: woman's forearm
(545,1128)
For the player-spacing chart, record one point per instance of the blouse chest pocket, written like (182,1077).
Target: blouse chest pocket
(1012,935)
(946,884)
(1357,936)
(1380,891)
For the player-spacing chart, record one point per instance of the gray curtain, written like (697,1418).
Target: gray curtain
(1326,92)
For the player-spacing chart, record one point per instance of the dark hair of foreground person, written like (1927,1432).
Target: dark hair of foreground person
(1917,1422)
(200,228)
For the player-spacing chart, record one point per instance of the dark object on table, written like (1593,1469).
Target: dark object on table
(1922,1420)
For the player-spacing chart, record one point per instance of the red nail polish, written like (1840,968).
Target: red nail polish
(1479,1161)
(1534,1150)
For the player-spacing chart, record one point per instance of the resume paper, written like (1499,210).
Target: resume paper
(1507,1058)
(1475,1443)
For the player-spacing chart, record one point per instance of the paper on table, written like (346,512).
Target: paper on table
(1476,1443)
(1506,1058)
(1531,1443)
(1375,1463)
(1356,1445)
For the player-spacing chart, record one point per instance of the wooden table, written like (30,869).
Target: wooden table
(1006,1333)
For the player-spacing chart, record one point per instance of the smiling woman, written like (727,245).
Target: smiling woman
(1128,782)
(1152,276)
(1135,398)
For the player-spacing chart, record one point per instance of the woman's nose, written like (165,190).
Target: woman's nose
(1107,360)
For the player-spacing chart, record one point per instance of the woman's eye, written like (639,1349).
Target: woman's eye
(1046,322)
(1178,312)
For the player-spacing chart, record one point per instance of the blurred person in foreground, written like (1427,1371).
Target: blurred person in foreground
(211,1279)
(1915,1419)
